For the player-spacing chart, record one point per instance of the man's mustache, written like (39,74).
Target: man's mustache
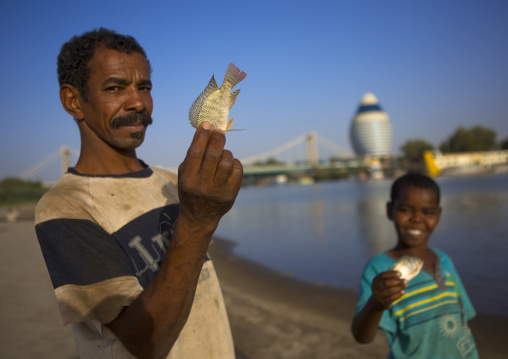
(130,119)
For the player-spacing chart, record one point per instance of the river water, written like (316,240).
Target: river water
(325,233)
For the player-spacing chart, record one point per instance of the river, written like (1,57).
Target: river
(325,233)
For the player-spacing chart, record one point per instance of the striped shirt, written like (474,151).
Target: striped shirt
(430,319)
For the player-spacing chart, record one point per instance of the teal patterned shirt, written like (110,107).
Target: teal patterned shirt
(430,319)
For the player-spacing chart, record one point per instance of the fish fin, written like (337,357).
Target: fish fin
(195,109)
(230,123)
(234,75)
(228,127)
(232,98)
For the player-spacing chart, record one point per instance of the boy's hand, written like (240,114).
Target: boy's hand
(387,287)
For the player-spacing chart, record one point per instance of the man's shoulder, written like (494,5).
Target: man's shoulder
(168,174)
(63,197)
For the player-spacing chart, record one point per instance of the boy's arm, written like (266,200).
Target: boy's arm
(386,288)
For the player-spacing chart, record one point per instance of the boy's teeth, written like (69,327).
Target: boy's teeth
(415,231)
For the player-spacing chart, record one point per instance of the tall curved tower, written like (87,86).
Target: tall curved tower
(371,130)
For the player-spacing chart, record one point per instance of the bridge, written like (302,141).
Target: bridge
(310,140)
(256,165)
(258,169)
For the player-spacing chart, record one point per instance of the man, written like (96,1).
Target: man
(125,243)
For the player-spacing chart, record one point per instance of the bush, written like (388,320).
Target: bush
(18,191)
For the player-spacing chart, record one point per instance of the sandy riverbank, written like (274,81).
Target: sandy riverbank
(272,316)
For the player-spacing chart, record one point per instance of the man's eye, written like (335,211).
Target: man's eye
(113,88)
(145,88)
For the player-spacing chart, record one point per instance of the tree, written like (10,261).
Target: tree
(272,161)
(412,150)
(477,138)
(504,144)
(18,191)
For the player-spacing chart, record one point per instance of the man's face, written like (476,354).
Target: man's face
(119,102)
(415,214)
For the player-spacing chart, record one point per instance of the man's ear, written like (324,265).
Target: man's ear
(71,101)
(389,207)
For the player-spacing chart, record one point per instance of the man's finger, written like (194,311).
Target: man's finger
(224,169)
(197,148)
(212,155)
(235,180)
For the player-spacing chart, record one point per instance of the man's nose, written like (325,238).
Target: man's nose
(135,101)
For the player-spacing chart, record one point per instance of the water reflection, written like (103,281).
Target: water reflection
(375,228)
(317,219)
(326,233)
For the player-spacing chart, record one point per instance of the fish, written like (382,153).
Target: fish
(214,103)
(408,266)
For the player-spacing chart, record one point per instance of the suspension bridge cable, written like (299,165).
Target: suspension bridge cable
(275,151)
(44,162)
(32,170)
(334,148)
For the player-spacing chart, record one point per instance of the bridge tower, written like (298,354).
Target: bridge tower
(312,149)
(65,153)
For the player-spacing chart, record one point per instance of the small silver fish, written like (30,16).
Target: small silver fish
(408,266)
(214,103)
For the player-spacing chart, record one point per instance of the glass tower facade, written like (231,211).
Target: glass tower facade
(371,129)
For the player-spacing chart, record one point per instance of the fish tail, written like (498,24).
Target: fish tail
(234,75)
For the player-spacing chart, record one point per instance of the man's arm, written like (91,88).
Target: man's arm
(208,183)
(386,288)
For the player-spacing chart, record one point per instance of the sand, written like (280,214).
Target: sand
(272,316)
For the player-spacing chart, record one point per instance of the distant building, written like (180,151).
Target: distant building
(465,162)
(371,130)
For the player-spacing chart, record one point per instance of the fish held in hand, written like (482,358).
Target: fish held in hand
(408,266)
(214,103)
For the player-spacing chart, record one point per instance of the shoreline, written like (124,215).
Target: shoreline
(314,319)
(272,315)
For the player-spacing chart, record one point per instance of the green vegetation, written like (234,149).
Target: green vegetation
(412,150)
(15,191)
(269,162)
(504,144)
(477,138)
(331,174)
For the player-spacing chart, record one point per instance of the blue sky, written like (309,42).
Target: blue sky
(434,66)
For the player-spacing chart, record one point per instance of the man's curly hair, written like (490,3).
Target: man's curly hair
(75,55)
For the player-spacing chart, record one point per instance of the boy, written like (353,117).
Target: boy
(427,316)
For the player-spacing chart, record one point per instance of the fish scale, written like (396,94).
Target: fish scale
(214,103)
(408,266)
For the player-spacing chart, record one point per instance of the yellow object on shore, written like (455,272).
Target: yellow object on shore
(432,167)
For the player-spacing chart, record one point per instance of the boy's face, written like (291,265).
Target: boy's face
(415,213)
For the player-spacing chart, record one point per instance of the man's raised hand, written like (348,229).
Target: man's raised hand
(208,179)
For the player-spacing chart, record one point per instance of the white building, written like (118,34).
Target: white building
(371,129)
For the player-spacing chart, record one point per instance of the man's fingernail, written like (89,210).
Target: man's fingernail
(206,126)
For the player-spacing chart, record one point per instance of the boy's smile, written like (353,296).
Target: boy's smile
(415,213)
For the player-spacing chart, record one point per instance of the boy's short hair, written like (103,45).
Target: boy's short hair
(75,55)
(414,179)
